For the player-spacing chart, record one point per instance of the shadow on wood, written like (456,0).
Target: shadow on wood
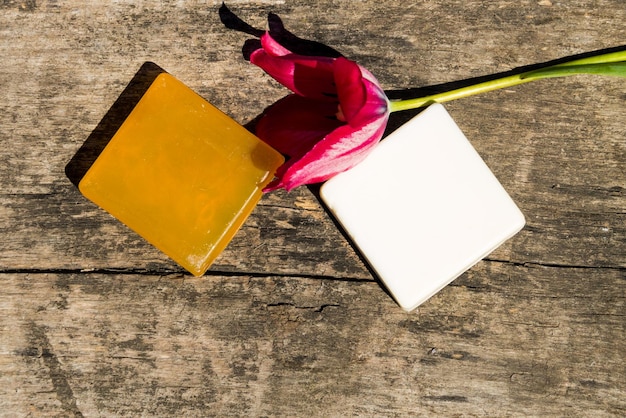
(277,29)
(116,115)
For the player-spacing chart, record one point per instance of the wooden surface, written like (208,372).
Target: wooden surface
(289,321)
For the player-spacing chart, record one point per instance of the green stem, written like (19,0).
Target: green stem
(612,64)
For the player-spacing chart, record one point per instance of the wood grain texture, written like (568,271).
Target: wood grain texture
(505,340)
(289,321)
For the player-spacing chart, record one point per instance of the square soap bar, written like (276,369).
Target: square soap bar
(181,174)
(423,207)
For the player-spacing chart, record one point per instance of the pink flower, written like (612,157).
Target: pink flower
(336,116)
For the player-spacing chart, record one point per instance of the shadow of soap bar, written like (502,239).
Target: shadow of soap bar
(422,207)
(181,174)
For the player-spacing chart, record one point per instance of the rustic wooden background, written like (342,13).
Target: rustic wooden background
(289,321)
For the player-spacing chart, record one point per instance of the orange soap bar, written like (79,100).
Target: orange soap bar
(181,174)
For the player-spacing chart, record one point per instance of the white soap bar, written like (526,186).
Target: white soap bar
(423,207)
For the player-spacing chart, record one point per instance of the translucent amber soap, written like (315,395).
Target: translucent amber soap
(181,174)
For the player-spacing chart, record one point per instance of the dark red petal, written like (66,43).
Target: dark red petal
(341,150)
(350,87)
(307,76)
(294,124)
(361,96)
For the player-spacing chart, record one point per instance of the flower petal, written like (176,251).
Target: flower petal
(350,87)
(295,123)
(272,47)
(307,76)
(360,94)
(376,103)
(339,151)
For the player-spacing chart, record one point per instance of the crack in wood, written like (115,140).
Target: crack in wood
(319,308)
(530,264)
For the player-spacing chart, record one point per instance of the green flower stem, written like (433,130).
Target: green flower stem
(610,64)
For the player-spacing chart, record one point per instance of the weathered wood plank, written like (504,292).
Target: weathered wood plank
(293,235)
(558,147)
(494,343)
(289,321)
(61,231)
